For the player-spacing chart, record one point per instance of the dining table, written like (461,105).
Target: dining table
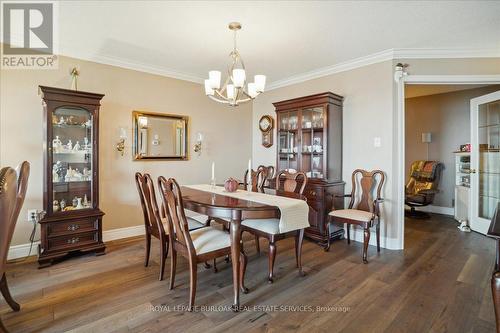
(235,210)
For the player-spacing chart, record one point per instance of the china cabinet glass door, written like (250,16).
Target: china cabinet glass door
(485,160)
(288,141)
(71,159)
(312,142)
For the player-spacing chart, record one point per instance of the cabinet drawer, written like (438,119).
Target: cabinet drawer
(70,227)
(71,241)
(313,194)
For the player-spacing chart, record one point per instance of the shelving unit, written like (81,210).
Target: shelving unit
(73,220)
(462,186)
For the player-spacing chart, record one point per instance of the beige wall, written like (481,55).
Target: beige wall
(370,110)
(447,117)
(227,132)
(367,93)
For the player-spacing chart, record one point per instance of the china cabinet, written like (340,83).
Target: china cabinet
(73,220)
(309,139)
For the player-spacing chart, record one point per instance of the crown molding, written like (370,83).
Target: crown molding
(341,67)
(386,55)
(137,66)
(390,54)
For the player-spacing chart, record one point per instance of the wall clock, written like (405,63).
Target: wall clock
(266,125)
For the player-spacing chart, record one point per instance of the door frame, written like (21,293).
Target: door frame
(402,78)
(474,110)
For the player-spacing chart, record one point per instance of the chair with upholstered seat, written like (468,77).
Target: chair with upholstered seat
(363,210)
(269,228)
(12,194)
(154,224)
(197,246)
(422,186)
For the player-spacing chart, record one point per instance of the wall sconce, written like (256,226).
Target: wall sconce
(197,145)
(120,146)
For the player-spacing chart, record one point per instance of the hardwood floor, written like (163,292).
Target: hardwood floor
(440,283)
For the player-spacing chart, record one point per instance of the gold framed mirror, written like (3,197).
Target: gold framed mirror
(160,136)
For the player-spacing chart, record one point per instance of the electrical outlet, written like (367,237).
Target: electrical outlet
(32,213)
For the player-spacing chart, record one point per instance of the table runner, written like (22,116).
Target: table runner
(294,212)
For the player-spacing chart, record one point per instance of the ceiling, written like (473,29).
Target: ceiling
(280,39)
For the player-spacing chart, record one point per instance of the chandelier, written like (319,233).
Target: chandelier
(235,90)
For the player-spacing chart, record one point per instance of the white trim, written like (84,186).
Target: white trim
(377,57)
(452,79)
(22,250)
(400,142)
(114,234)
(445,53)
(390,54)
(340,67)
(438,210)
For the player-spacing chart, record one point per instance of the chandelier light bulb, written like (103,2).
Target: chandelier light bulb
(252,90)
(239,77)
(230,91)
(260,82)
(208,88)
(214,78)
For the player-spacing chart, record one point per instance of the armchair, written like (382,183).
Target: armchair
(422,186)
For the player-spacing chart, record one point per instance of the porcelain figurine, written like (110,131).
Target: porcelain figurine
(63,204)
(77,176)
(79,203)
(56,144)
(69,146)
(85,201)
(62,121)
(69,174)
(55,206)
(75,201)
(86,145)
(77,146)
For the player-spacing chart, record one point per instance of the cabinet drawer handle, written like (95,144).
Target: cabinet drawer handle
(73,240)
(73,227)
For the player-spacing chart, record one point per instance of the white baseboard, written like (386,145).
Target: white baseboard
(114,234)
(22,250)
(438,210)
(385,242)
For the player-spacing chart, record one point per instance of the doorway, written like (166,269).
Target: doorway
(403,80)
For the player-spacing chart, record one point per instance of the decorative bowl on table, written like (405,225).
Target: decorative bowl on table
(231,185)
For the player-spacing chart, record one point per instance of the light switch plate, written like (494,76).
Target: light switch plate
(377,142)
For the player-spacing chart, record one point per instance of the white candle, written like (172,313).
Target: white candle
(249,171)
(213,170)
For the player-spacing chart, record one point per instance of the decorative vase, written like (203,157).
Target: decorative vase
(79,203)
(231,185)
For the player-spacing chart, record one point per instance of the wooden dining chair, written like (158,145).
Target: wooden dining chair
(258,179)
(198,245)
(269,228)
(13,187)
(269,172)
(363,209)
(153,222)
